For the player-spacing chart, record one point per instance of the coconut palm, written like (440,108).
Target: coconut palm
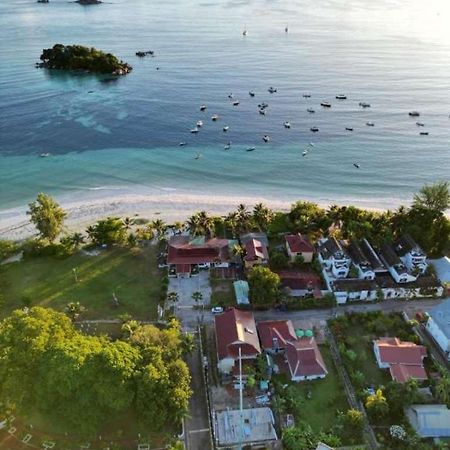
(243,217)
(178,227)
(197,296)
(173,296)
(194,225)
(160,227)
(206,223)
(231,223)
(127,222)
(262,216)
(74,309)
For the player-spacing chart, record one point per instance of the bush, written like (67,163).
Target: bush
(7,248)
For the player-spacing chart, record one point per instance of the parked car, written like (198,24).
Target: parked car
(217,310)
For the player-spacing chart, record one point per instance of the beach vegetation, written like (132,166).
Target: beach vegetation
(107,232)
(7,248)
(47,216)
(264,286)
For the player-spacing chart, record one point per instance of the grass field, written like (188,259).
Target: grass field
(132,275)
(222,293)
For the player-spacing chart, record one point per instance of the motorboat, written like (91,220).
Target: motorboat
(310,110)
(305,152)
(195,130)
(225,129)
(251,93)
(230,96)
(287,125)
(44,155)
(311,144)
(370,124)
(348,128)
(198,156)
(200,123)
(364,105)
(356,165)
(286,30)
(263,105)
(306,95)
(236,103)
(424,133)
(214,117)
(244,33)
(266,138)
(325,104)
(262,111)
(272,90)
(341,97)
(250,149)
(420,124)
(203,108)
(414,113)
(182,144)
(227,147)
(314,129)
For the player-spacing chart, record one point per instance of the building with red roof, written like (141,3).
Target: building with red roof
(403,359)
(301,283)
(298,245)
(275,334)
(235,329)
(305,360)
(256,253)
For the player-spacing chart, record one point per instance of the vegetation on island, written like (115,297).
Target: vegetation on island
(78,57)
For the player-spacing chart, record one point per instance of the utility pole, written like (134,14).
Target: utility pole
(241,401)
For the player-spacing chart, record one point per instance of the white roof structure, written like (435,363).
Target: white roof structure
(430,420)
(441,316)
(442,266)
(322,446)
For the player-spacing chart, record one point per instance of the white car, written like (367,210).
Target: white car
(217,310)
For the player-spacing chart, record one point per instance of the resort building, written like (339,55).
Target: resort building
(275,334)
(365,259)
(256,253)
(438,325)
(411,254)
(395,265)
(354,289)
(302,283)
(430,421)
(333,257)
(298,245)
(403,359)
(235,330)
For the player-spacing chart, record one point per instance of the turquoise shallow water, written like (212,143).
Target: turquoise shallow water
(393,55)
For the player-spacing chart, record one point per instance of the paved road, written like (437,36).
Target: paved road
(196,426)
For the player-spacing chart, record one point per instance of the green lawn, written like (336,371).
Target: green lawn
(222,293)
(327,396)
(47,281)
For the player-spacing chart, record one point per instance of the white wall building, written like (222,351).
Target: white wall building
(438,326)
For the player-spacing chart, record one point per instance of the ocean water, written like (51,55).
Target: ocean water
(124,135)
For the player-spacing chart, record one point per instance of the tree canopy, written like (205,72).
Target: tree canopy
(47,216)
(263,286)
(108,232)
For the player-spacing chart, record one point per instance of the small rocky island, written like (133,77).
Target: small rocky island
(79,58)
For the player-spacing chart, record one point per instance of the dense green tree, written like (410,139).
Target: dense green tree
(159,227)
(108,232)
(262,216)
(352,422)
(443,388)
(308,217)
(47,216)
(73,241)
(263,286)
(278,259)
(434,198)
(7,248)
(243,218)
(377,405)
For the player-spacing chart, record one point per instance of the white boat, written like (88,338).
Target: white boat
(251,93)
(312,144)
(272,90)
(370,124)
(250,149)
(314,129)
(200,123)
(225,129)
(305,152)
(341,97)
(325,104)
(203,108)
(356,165)
(286,30)
(420,124)
(198,156)
(263,105)
(182,144)
(364,105)
(262,111)
(44,155)
(230,96)
(266,138)
(195,130)
(244,33)
(287,125)
(228,146)
(236,103)
(310,110)
(214,117)
(414,113)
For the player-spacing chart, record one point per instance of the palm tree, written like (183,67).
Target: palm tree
(238,250)
(194,225)
(197,296)
(178,227)
(231,222)
(262,216)
(77,239)
(160,227)
(127,222)
(173,296)
(242,217)
(206,223)
(74,309)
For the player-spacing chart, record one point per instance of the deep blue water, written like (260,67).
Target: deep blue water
(393,54)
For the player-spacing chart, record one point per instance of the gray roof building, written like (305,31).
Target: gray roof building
(431,421)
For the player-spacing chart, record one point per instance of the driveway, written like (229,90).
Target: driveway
(185,287)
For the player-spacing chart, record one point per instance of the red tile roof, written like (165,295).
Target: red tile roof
(402,373)
(234,329)
(296,279)
(183,268)
(255,250)
(304,358)
(183,251)
(299,244)
(282,330)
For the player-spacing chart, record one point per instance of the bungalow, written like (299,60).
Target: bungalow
(403,359)
(275,334)
(422,287)
(304,360)
(430,421)
(411,254)
(359,252)
(395,265)
(333,256)
(235,330)
(256,253)
(185,252)
(438,325)
(302,283)
(298,245)
(354,289)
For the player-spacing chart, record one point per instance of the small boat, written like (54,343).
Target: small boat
(348,128)
(420,124)
(356,165)
(310,110)
(305,152)
(266,138)
(272,90)
(263,105)
(214,117)
(312,144)
(287,125)
(225,129)
(251,93)
(182,144)
(200,123)
(236,103)
(325,104)
(244,33)
(414,113)
(250,149)
(262,111)
(424,133)
(314,129)
(370,124)
(44,155)
(195,130)
(198,156)
(228,146)
(364,105)
(230,96)
(90,92)
(341,97)
(286,30)
(203,108)
(306,95)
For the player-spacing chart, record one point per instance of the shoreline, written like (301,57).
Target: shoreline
(170,207)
